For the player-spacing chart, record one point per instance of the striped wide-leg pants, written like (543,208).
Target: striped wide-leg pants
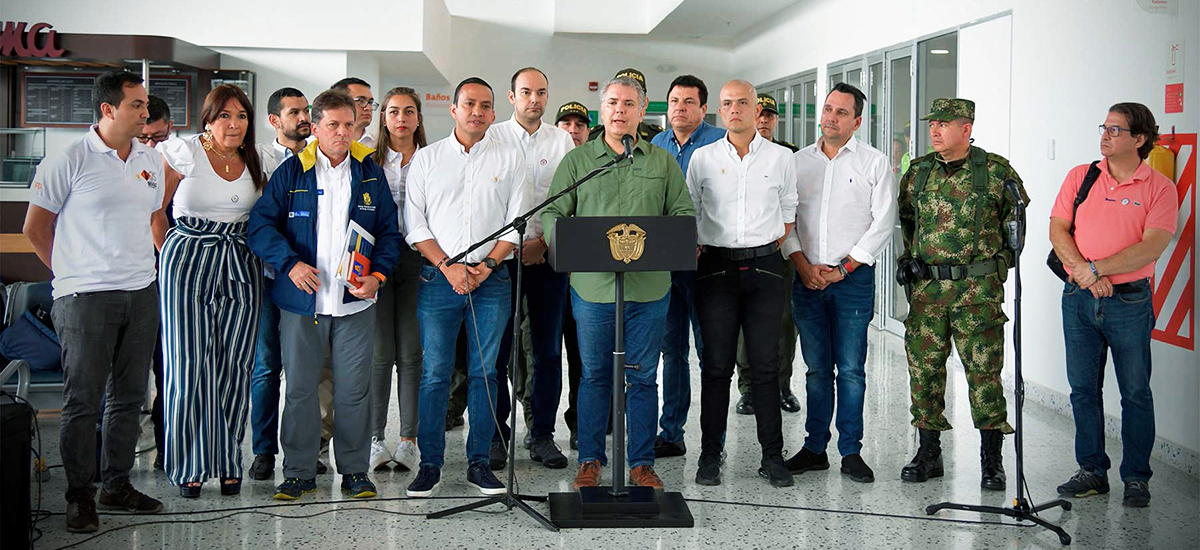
(211,288)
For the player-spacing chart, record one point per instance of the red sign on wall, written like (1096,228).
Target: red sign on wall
(16,41)
(1174,98)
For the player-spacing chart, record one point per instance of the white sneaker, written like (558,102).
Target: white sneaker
(380,455)
(407,456)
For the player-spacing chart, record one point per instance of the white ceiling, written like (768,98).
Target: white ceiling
(718,21)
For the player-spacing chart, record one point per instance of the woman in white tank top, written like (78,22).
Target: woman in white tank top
(211,289)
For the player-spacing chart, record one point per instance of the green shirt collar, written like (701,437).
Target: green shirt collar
(600,149)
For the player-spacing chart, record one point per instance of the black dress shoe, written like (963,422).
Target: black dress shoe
(806,460)
(788,401)
(709,471)
(158,461)
(263,467)
(453,422)
(856,468)
(775,472)
(745,404)
(574,441)
(321,467)
(663,449)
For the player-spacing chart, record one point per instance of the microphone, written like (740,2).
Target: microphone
(627,142)
(1014,192)
(1015,229)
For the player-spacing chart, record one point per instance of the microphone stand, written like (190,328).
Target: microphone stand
(1022,509)
(510,499)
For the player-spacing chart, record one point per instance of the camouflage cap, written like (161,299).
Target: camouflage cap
(573,108)
(768,104)
(951,108)
(635,75)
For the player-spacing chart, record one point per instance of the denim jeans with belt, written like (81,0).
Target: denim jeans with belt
(1092,327)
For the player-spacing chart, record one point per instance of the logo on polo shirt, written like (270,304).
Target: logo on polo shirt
(149,179)
(37,186)
(367,199)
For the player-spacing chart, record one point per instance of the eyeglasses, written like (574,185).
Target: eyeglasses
(366,102)
(150,139)
(1113,131)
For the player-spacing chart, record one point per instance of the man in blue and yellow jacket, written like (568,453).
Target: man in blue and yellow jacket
(300,227)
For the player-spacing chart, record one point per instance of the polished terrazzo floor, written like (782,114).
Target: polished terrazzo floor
(823,510)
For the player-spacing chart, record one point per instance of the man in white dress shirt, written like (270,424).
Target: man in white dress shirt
(460,190)
(744,190)
(845,219)
(300,227)
(545,291)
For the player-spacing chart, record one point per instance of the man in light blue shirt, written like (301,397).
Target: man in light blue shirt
(687,103)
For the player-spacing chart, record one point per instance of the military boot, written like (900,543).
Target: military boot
(928,462)
(991,459)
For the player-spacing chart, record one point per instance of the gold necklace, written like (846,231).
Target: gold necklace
(208,146)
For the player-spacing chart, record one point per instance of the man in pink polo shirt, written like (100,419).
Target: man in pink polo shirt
(1122,227)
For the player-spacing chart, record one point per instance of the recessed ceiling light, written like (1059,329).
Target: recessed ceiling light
(939,52)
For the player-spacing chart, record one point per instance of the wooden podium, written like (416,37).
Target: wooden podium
(621,244)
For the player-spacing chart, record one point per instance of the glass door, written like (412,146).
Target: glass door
(900,107)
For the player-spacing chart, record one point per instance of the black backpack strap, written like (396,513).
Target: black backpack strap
(1085,187)
(979,184)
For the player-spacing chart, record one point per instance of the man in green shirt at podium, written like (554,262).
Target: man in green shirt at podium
(652,185)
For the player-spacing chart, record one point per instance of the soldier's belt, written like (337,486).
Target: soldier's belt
(959,272)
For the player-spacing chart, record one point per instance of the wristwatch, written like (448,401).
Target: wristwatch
(847,266)
(490,262)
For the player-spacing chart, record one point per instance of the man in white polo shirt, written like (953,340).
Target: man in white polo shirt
(89,222)
(545,290)
(460,190)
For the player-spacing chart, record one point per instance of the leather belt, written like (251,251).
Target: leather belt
(738,254)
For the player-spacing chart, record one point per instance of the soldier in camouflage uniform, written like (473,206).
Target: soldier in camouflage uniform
(646,130)
(953,211)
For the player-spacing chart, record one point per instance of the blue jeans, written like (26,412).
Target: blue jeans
(677,381)
(441,312)
(1120,323)
(643,339)
(832,324)
(264,382)
(546,294)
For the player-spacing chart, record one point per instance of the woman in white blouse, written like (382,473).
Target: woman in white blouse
(211,287)
(397,335)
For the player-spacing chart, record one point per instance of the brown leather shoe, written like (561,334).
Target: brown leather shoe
(588,476)
(129,499)
(81,513)
(644,476)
